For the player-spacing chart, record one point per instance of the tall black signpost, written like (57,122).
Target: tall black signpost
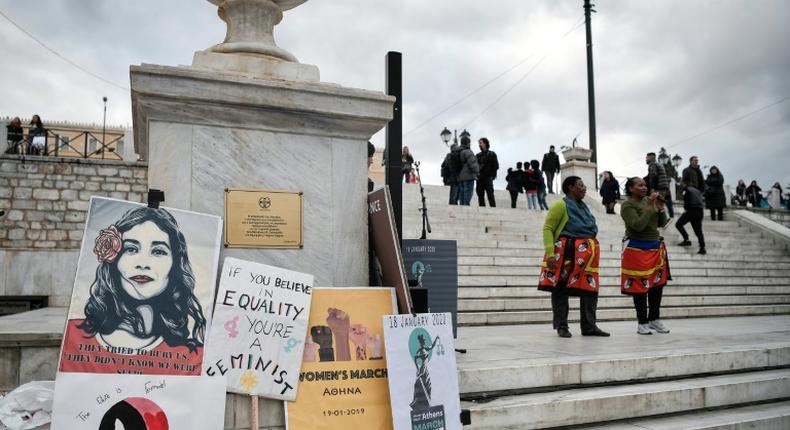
(588,9)
(394,139)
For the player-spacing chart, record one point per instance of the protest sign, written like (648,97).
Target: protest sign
(386,246)
(147,402)
(343,382)
(423,379)
(143,292)
(434,264)
(259,329)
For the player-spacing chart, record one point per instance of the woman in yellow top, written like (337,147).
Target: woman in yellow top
(570,264)
(645,267)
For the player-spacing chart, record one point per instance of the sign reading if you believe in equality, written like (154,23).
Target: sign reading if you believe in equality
(263,219)
(260,324)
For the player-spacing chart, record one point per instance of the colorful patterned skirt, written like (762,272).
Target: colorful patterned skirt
(576,266)
(645,265)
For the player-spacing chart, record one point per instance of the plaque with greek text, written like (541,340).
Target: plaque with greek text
(263,219)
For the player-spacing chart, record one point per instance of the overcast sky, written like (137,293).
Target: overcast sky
(665,70)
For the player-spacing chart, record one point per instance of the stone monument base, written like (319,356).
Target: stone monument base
(255,66)
(583,169)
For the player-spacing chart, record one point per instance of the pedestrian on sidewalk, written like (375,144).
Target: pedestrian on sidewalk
(714,194)
(541,185)
(451,168)
(469,171)
(531,185)
(489,165)
(694,207)
(645,268)
(658,181)
(570,263)
(610,191)
(515,183)
(551,166)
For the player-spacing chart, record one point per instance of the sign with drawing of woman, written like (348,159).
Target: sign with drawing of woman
(144,290)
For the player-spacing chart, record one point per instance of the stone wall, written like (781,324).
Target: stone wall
(44,200)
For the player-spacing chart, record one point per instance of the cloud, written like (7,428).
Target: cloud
(664,71)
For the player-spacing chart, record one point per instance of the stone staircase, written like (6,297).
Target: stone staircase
(730,370)
(500,250)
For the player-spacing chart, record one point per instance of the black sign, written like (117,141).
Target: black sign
(434,264)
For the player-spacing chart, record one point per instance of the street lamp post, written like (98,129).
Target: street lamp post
(446,134)
(104,127)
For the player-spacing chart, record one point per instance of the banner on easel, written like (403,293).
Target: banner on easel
(423,379)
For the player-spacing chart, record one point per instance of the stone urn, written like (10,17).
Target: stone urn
(577,154)
(251,26)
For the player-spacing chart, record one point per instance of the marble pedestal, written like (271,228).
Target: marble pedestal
(583,169)
(202,131)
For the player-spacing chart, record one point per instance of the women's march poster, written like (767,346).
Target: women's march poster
(343,382)
(259,327)
(143,292)
(423,378)
(150,402)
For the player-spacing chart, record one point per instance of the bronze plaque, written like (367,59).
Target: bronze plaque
(263,219)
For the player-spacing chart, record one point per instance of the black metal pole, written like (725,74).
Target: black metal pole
(591,87)
(104,127)
(394,139)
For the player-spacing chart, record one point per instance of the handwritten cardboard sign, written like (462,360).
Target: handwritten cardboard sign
(343,382)
(260,324)
(423,379)
(150,402)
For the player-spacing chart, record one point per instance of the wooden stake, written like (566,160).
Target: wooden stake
(254,413)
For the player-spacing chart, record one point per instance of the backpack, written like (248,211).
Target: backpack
(456,164)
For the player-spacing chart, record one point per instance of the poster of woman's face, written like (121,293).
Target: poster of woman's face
(143,292)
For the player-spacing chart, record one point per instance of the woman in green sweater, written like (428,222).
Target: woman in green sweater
(645,267)
(570,264)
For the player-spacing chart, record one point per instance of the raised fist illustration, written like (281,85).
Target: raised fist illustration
(374,342)
(310,354)
(340,323)
(359,335)
(322,335)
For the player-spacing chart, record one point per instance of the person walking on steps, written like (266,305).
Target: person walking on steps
(644,269)
(541,185)
(451,168)
(489,165)
(531,185)
(570,263)
(515,183)
(550,166)
(610,191)
(715,200)
(469,170)
(406,162)
(692,175)
(658,181)
(694,207)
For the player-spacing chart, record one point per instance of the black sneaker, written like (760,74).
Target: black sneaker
(685,243)
(563,332)
(596,332)
(702,251)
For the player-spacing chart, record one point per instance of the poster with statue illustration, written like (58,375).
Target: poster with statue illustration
(343,380)
(423,379)
(259,328)
(143,291)
(149,402)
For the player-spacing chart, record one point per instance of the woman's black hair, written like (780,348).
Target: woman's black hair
(630,183)
(518,165)
(568,182)
(535,164)
(110,305)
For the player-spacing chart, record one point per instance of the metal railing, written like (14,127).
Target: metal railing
(83,145)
